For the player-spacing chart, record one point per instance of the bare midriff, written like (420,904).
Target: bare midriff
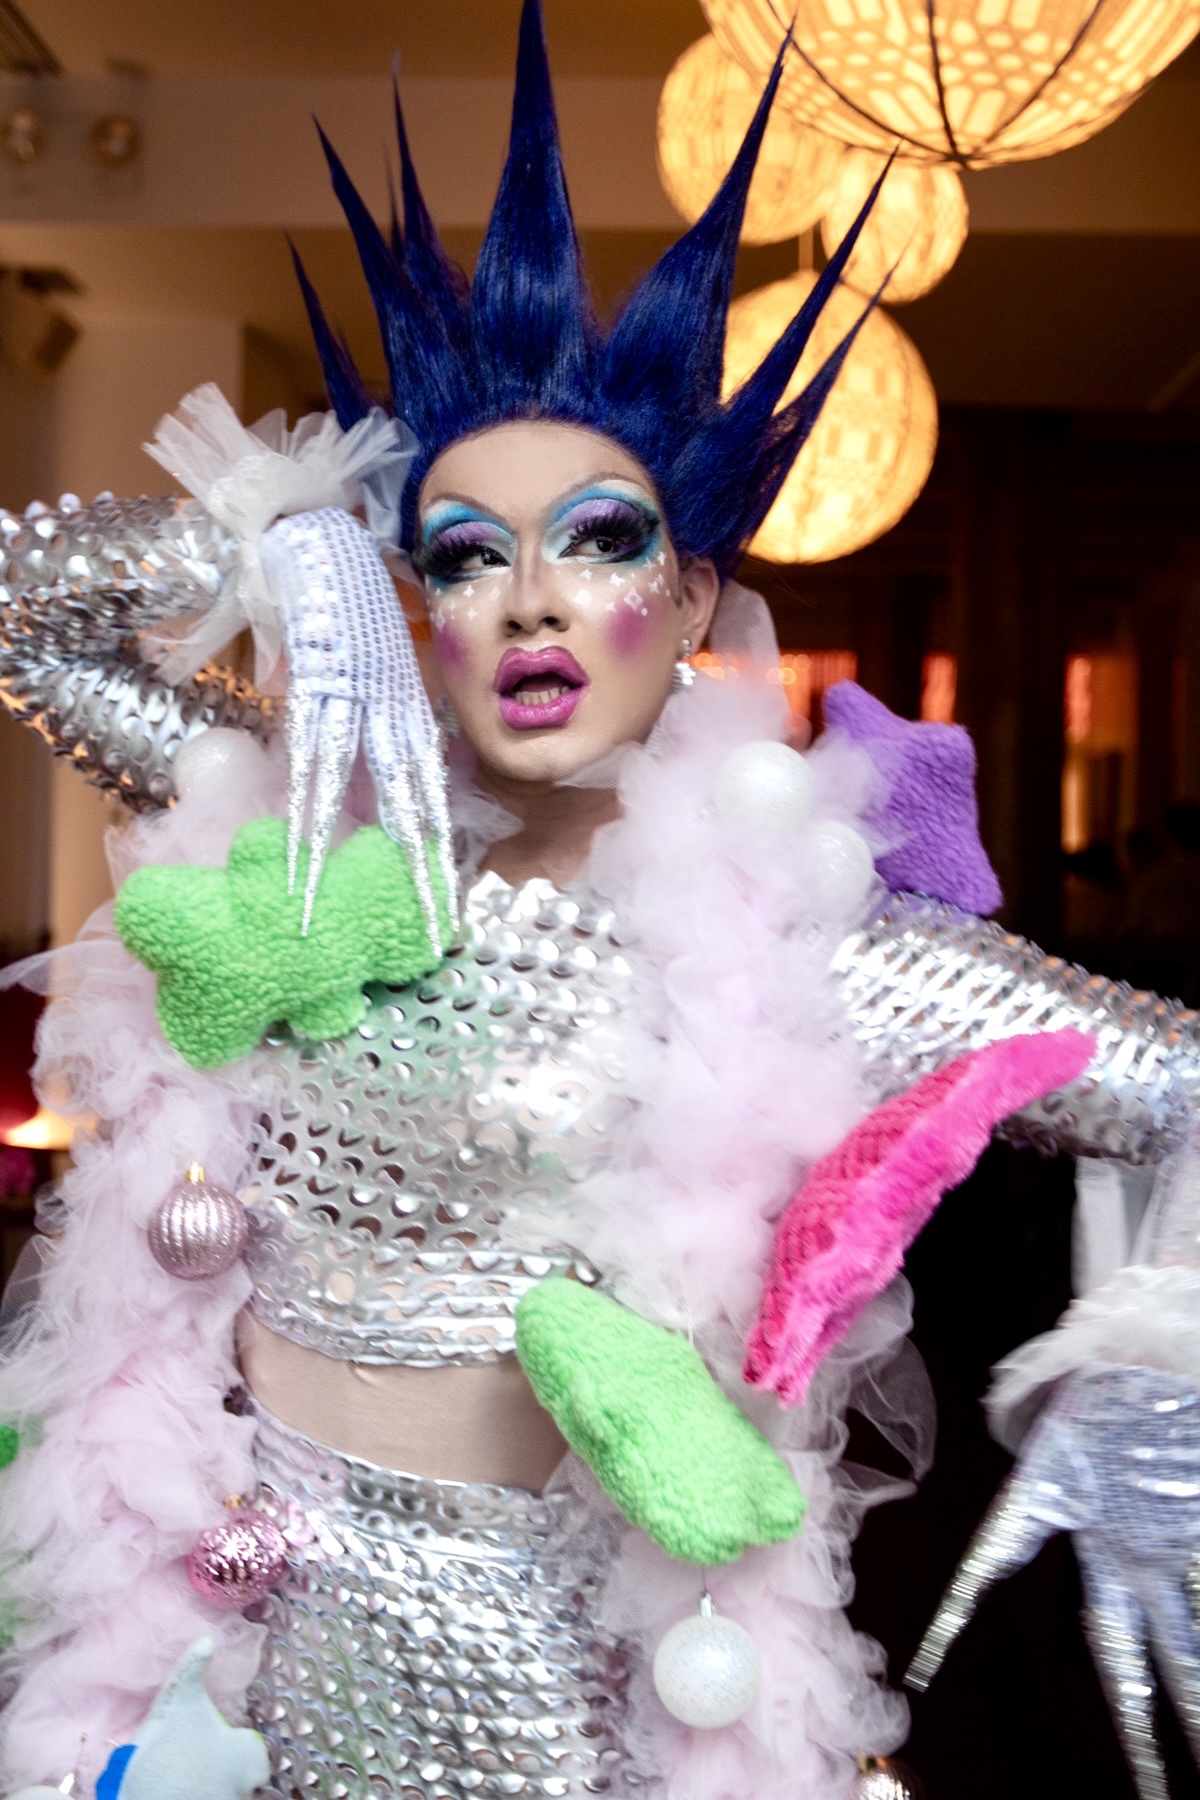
(467,1422)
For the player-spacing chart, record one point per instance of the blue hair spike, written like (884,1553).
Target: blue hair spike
(523,342)
(530,307)
(667,350)
(430,378)
(434,274)
(758,396)
(347,394)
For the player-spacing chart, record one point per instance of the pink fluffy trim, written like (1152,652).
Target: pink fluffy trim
(842,1238)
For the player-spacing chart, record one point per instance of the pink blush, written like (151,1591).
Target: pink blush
(451,648)
(629,628)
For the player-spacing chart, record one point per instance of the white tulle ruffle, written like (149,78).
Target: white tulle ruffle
(249,476)
(1142,1316)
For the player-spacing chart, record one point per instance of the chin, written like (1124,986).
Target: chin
(552,756)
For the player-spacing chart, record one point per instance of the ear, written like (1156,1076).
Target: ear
(699,591)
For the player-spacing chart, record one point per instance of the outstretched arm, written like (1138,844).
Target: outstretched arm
(924,982)
(77,587)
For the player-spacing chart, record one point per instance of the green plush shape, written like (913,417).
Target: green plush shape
(638,1405)
(10,1444)
(227,950)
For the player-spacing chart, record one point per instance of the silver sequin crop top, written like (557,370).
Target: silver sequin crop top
(388,1162)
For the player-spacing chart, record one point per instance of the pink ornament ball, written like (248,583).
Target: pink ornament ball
(199,1230)
(238,1561)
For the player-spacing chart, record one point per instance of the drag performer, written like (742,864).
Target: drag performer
(505,1126)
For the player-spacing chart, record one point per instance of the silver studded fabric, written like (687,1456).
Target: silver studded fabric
(432,1640)
(924,982)
(391,1164)
(77,585)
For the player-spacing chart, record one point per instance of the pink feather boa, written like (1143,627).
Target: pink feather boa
(745,1073)
(118,1373)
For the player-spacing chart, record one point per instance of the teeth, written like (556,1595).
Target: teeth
(539,696)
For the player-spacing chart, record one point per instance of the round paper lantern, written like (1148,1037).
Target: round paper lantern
(704,112)
(870,451)
(974,82)
(916,229)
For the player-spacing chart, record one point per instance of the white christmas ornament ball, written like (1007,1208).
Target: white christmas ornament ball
(707,1671)
(843,868)
(216,760)
(766,786)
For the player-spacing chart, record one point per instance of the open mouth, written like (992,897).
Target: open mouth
(538,688)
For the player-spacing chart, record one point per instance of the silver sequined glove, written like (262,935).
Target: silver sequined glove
(353,676)
(1115,1460)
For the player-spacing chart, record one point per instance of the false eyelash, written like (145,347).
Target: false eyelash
(441,559)
(632,525)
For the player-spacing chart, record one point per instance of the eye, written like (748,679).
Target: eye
(462,551)
(609,531)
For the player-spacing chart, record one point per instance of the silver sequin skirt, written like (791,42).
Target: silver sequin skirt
(433,1640)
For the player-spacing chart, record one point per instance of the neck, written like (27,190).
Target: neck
(557,827)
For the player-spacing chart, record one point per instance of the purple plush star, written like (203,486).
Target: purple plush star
(929,820)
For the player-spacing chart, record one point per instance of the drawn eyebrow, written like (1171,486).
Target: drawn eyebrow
(453,509)
(597,491)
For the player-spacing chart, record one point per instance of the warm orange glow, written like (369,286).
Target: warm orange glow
(1100,726)
(705,109)
(45,1131)
(974,82)
(1100,702)
(916,229)
(939,689)
(803,675)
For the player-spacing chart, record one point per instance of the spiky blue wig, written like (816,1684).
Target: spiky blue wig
(521,340)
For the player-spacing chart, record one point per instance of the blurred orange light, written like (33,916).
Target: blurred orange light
(45,1131)
(802,674)
(939,689)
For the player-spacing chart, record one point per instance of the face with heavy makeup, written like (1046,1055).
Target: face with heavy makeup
(558,603)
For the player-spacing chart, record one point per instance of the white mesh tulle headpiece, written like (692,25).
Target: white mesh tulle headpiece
(311,579)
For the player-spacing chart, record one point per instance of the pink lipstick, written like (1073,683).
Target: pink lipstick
(538,688)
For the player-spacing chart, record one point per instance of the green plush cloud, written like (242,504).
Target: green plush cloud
(227,950)
(639,1406)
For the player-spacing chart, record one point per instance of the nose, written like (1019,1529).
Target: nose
(533,605)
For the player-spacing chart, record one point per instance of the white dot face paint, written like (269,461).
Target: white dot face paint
(555,595)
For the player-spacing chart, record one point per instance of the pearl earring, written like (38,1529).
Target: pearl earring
(683,674)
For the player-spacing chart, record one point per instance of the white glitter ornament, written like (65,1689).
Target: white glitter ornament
(765,786)
(707,1670)
(217,761)
(879,1778)
(843,869)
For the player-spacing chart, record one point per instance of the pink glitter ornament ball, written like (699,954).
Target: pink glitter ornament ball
(199,1230)
(238,1561)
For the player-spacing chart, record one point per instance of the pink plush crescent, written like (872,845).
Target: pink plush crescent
(844,1234)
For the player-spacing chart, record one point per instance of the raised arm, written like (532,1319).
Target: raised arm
(77,586)
(925,982)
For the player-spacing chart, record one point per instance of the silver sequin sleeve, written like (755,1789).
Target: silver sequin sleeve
(77,587)
(924,982)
